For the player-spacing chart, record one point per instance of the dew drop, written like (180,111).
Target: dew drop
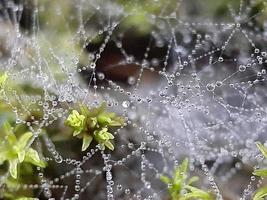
(210,87)
(125,104)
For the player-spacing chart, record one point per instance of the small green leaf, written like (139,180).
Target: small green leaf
(24,139)
(92,122)
(109,145)
(262,148)
(260,172)
(165,179)
(103,120)
(260,194)
(33,157)
(184,166)
(110,136)
(197,193)
(13,168)
(181,171)
(21,155)
(116,121)
(192,180)
(8,130)
(102,146)
(87,139)
(76,132)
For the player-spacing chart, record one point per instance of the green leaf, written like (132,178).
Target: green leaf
(103,120)
(87,139)
(184,166)
(262,148)
(102,146)
(92,122)
(109,145)
(260,194)
(21,155)
(115,123)
(24,139)
(181,172)
(197,193)
(192,180)
(8,130)
(76,132)
(33,157)
(110,136)
(13,168)
(260,172)
(165,179)
(101,135)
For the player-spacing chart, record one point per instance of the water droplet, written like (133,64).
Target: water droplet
(119,187)
(219,83)
(125,104)
(210,87)
(92,65)
(242,68)
(220,59)
(101,75)
(131,80)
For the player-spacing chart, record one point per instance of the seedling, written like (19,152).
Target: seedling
(94,124)
(180,187)
(15,151)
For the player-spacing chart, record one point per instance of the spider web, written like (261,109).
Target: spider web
(189,84)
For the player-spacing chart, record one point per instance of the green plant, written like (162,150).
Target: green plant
(94,123)
(15,151)
(262,192)
(180,186)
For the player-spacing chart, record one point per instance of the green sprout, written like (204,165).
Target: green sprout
(15,151)
(94,124)
(76,122)
(262,192)
(180,186)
